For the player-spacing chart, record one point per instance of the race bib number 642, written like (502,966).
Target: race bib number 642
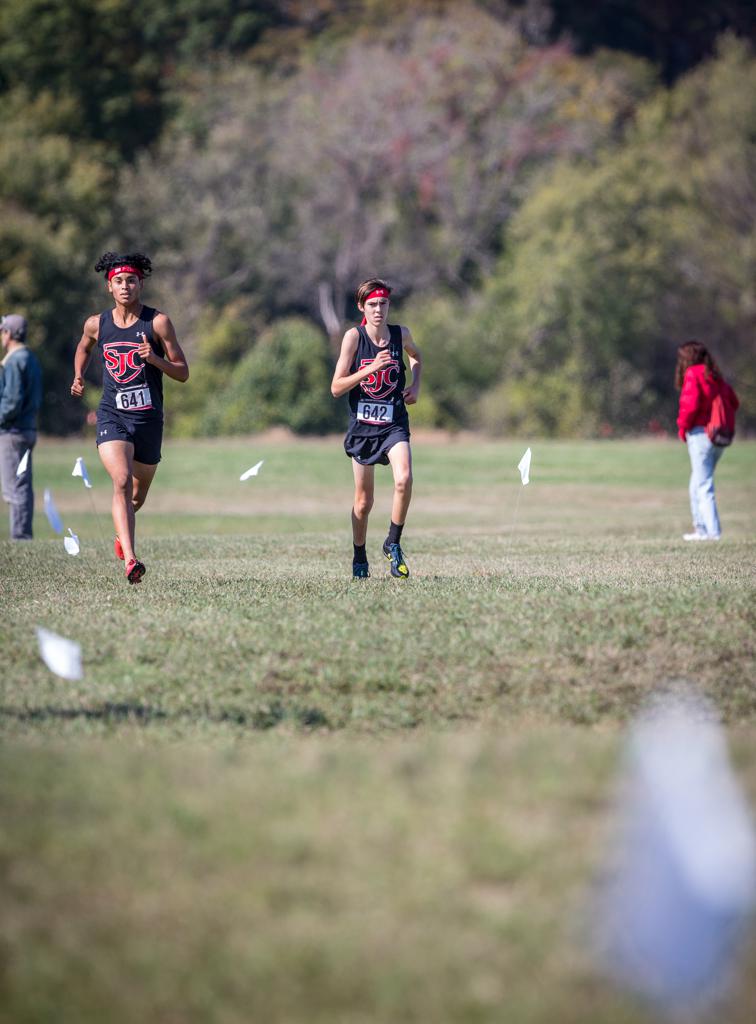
(375,412)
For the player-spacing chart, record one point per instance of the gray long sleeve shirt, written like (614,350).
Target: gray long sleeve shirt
(20,390)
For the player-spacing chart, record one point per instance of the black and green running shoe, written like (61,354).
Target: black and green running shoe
(360,570)
(399,567)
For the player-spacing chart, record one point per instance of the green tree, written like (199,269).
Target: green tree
(105,70)
(53,196)
(611,263)
(297,185)
(224,339)
(283,381)
(461,357)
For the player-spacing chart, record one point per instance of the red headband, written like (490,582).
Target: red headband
(126,269)
(377,293)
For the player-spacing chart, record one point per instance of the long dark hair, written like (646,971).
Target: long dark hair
(691,354)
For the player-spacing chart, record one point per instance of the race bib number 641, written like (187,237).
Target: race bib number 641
(134,399)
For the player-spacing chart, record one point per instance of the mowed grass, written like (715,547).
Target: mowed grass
(567,600)
(279,794)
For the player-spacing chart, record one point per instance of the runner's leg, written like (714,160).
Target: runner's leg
(364,490)
(117,457)
(400,457)
(142,478)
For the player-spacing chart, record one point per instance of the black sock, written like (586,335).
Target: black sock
(360,554)
(395,533)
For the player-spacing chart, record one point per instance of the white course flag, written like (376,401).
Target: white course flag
(81,470)
(524,467)
(683,881)
(71,544)
(21,468)
(53,517)
(252,472)
(63,657)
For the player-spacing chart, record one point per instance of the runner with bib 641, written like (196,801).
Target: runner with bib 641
(138,345)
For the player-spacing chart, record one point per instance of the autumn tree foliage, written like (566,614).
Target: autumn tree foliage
(613,262)
(555,216)
(408,158)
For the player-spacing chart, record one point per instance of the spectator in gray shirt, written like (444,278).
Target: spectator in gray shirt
(20,399)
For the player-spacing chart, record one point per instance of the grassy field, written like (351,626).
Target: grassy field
(279,794)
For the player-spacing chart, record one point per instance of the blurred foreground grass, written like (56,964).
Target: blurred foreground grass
(281,795)
(431,878)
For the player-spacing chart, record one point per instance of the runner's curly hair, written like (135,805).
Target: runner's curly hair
(691,354)
(108,260)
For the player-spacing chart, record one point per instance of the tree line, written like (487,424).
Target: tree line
(556,216)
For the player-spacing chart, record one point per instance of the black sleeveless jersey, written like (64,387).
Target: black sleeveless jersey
(130,386)
(376,404)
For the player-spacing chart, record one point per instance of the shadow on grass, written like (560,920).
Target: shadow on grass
(261,718)
(107,712)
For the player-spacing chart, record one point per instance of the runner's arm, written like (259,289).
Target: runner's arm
(83,353)
(343,381)
(415,364)
(175,365)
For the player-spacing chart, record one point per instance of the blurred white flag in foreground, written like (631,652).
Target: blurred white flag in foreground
(252,472)
(21,468)
(81,470)
(63,657)
(524,467)
(51,512)
(71,544)
(679,892)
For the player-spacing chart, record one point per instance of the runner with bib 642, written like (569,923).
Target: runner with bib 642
(370,369)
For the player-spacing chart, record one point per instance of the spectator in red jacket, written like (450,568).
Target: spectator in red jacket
(698,379)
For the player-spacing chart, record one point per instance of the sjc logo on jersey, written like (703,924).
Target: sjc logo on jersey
(122,361)
(381,383)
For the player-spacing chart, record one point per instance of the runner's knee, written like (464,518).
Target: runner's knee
(403,481)
(363,503)
(122,482)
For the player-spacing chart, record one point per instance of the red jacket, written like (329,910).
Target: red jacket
(698,392)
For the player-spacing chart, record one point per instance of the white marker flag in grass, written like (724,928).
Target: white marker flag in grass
(524,467)
(21,468)
(53,517)
(63,657)
(252,472)
(683,881)
(81,470)
(71,544)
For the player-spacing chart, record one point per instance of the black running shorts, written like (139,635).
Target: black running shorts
(147,436)
(369,450)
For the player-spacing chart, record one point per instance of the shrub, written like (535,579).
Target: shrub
(283,381)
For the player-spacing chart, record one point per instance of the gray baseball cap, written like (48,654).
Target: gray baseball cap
(16,324)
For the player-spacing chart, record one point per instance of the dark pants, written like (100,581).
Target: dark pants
(17,490)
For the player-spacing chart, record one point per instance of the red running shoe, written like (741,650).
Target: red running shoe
(135,570)
(118,549)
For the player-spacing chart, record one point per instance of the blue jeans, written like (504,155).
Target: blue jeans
(17,490)
(704,457)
